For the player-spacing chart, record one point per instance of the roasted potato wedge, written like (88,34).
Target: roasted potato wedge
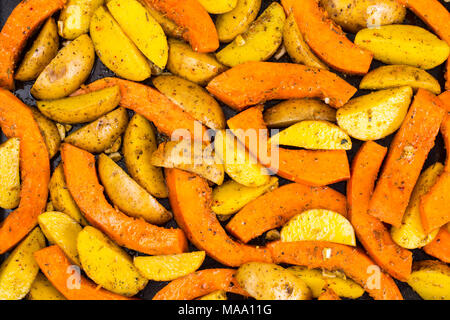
(43,50)
(18,271)
(296,46)
(62,199)
(139,143)
(231,24)
(187,156)
(404,44)
(241,166)
(62,230)
(99,135)
(376,115)
(356,15)
(317,279)
(290,112)
(169,267)
(319,225)
(216,295)
(410,234)
(49,132)
(387,77)
(10,174)
(42,289)
(259,42)
(431,280)
(193,66)
(142,29)
(115,49)
(231,196)
(218,6)
(128,195)
(83,108)
(266,281)
(313,134)
(170,28)
(75,18)
(67,71)
(193,99)
(107,264)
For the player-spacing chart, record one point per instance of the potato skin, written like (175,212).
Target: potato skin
(76,16)
(259,42)
(10,174)
(193,66)
(43,50)
(107,264)
(431,280)
(139,143)
(386,77)
(193,99)
(42,289)
(18,271)
(266,281)
(353,15)
(99,135)
(67,71)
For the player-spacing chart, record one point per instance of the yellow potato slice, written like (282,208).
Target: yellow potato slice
(259,42)
(142,29)
(431,280)
(231,196)
(107,264)
(169,267)
(290,112)
(218,6)
(410,234)
(231,24)
(313,134)
(76,16)
(267,281)
(62,230)
(128,195)
(19,270)
(193,99)
(42,289)
(49,131)
(216,295)
(115,49)
(191,157)
(317,279)
(83,108)
(319,225)
(139,143)
(10,174)
(404,44)
(376,115)
(386,77)
(241,166)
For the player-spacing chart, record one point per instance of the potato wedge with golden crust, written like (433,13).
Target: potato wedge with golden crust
(18,271)
(231,196)
(431,280)
(289,112)
(267,281)
(191,157)
(218,6)
(259,42)
(81,109)
(42,289)
(67,71)
(49,132)
(193,99)
(62,230)
(75,17)
(313,134)
(43,50)
(410,234)
(115,49)
(99,135)
(231,24)
(215,296)
(386,77)
(193,66)
(169,267)
(107,264)
(128,195)
(10,174)
(139,143)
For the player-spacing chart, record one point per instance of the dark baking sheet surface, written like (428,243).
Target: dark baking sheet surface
(100,71)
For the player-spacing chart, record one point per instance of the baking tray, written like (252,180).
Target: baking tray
(100,71)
